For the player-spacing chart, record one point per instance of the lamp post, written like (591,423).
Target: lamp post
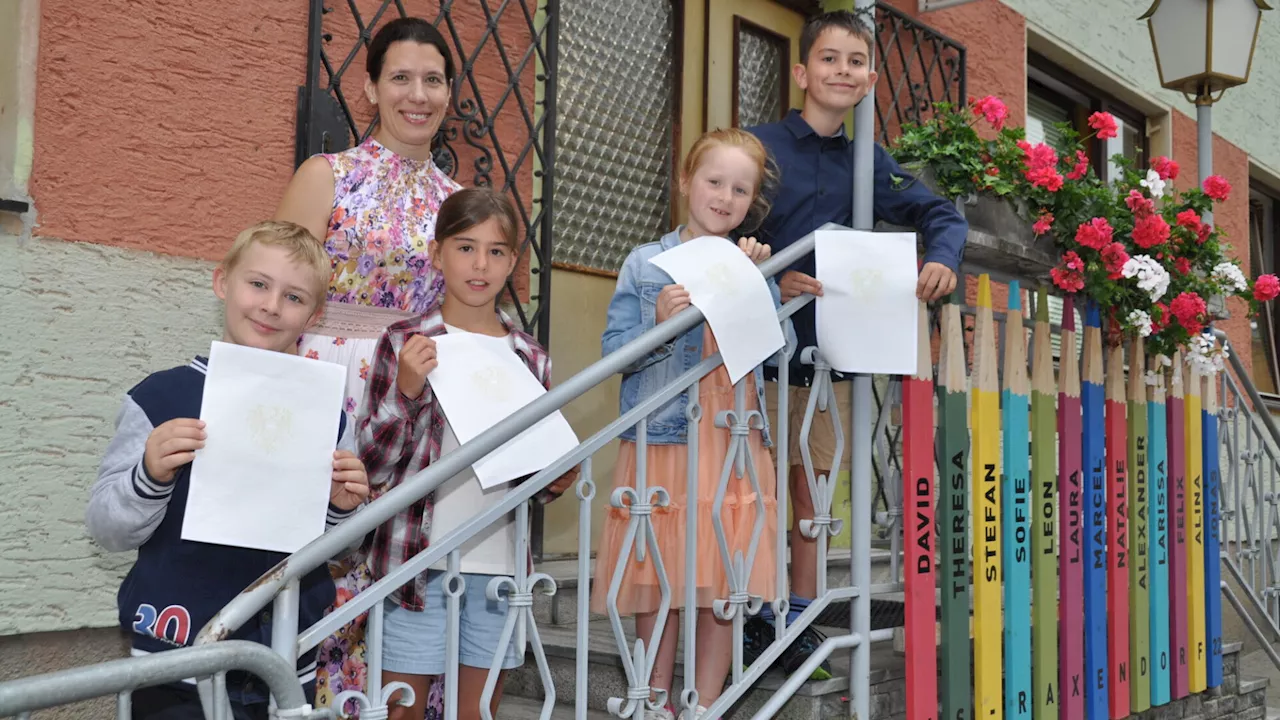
(1203,47)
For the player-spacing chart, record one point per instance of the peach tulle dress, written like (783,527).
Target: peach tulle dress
(668,467)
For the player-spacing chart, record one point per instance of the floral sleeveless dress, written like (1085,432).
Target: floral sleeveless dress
(384,217)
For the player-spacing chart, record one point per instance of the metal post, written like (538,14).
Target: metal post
(1204,142)
(860,448)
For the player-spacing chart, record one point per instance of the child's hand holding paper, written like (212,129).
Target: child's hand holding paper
(350,484)
(417,360)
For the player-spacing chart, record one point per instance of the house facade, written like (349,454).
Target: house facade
(136,140)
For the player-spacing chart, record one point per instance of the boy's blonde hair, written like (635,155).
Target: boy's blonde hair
(302,246)
(766,176)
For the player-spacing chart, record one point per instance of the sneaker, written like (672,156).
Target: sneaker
(757,634)
(698,714)
(663,713)
(799,651)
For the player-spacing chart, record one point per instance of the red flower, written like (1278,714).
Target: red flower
(1047,178)
(1150,231)
(1094,234)
(1202,233)
(1072,261)
(1182,265)
(993,109)
(1081,167)
(1039,156)
(1043,224)
(1139,204)
(1166,168)
(992,170)
(1266,287)
(1160,318)
(1114,257)
(1189,220)
(1217,188)
(1105,124)
(1068,280)
(1190,311)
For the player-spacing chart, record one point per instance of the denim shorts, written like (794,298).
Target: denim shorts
(414,642)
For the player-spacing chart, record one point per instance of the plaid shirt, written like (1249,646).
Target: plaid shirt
(400,437)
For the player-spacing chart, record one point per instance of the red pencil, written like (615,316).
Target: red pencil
(1117,534)
(1180,672)
(918,475)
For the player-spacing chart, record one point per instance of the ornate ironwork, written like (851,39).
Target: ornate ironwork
(501,128)
(918,66)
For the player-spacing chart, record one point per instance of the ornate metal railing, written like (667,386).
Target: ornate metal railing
(500,131)
(918,67)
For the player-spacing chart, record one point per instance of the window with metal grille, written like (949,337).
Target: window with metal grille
(1264,233)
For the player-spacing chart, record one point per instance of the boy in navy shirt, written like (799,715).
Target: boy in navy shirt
(815,164)
(272,284)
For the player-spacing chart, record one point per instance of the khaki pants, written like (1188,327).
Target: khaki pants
(822,436)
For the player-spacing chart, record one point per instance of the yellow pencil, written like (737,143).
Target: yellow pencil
(1195,534)
(987,628)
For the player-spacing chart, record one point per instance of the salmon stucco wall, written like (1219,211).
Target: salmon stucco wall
(167,126)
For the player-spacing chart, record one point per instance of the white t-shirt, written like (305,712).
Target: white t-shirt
(461,498)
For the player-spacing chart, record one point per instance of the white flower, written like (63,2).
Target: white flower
(1165,361)
(1230,275)
(1154,184)
(1206,354)
(1142,321)
(1152,277)
(1151,378)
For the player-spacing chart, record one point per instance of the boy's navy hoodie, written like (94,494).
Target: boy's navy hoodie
(176,586)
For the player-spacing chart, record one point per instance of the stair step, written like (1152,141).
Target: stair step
(814,701)
(519,708)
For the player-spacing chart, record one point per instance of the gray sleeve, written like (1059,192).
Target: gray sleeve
(126,505)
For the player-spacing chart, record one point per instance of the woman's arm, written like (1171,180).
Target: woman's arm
(308,200)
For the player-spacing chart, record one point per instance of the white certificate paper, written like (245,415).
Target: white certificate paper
(732,294)
(262,479)
(867,315)
(478,382)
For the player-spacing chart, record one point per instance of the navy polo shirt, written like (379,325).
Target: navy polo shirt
(816,187)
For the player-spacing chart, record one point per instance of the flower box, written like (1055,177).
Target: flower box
(1000,237)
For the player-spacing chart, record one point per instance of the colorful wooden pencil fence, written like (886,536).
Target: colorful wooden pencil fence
(1015,499)
(1158,479)
(953,430)
(1070,506)
(1092,556)
(1140,536)
(987,651)
(1044,531)
(918,474)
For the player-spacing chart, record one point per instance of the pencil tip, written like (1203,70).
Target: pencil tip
(1092,317)
(1042,305)
(1069,313)
(984,291)
(1015,295)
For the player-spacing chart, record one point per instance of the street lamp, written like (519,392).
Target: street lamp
(1203,47)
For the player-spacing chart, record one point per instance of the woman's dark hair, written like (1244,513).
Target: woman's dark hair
(469,207)
(414,30)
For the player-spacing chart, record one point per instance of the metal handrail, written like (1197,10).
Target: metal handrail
(333,543)
(29,694)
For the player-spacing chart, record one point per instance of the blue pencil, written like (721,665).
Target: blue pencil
(1016,506)
(1097,702)
(1158,514)
(1212,569)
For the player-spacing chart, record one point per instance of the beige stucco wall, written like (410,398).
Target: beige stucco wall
(81,323)
(1109,34)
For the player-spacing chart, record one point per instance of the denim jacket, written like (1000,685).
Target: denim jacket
(633,311)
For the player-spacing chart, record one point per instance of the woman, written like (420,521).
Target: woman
(375,206)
